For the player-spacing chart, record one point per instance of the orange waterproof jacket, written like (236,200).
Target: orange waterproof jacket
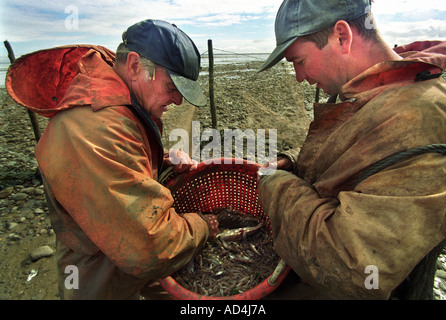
(114,222)
(334,233)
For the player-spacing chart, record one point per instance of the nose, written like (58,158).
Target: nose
(177,98)
(300,74)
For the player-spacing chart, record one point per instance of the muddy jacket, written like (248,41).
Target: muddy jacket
(114,222)
(334,233)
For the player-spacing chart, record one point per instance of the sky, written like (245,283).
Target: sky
(241,26)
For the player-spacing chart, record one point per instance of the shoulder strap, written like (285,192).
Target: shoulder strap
(391,160)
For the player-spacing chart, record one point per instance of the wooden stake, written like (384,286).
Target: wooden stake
(32,115)
(211,84)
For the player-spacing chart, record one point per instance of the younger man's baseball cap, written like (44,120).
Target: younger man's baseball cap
(297,18)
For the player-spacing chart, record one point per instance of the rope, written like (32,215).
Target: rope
(387,162)
(235,53)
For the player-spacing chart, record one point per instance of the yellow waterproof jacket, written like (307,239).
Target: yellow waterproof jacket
(114,222)
(336,233)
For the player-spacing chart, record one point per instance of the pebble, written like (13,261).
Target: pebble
(41,252)
(6,192)
(19,196)
(14,237)
(441,274)
(29,190)
(39,191)
(11,225)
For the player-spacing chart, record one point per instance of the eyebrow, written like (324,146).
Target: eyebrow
(292,58)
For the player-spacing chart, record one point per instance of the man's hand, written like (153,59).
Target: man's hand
(180,161)
(281,163)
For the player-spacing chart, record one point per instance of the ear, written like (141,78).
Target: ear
(343,36)
(132,65)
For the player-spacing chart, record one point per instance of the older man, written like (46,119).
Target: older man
(350,228)
(100,157)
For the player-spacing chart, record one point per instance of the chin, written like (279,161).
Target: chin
(329,91)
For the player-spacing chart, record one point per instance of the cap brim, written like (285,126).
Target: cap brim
(276,55)
(189,89)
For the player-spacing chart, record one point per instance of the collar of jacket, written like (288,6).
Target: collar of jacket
(418,57)
(96,84)
(150,126)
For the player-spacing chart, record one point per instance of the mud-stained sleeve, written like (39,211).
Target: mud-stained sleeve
(329,242)
(100,172)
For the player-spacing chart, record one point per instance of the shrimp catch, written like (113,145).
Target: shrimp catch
(238,259)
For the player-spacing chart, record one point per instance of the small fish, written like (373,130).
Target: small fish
(227,246)
(243,259)
(239,233)
(190,267)
(212,258)
(227,267)
(253,248)
(31,275)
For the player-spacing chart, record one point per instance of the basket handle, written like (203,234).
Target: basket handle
(272,280)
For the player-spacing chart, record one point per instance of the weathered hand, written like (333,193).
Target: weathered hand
(180,161)
(281,163)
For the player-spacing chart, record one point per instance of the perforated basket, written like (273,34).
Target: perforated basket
(219,183)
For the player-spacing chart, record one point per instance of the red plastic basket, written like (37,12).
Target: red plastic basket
(221,183)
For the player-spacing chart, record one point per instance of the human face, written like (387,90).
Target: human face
(317,66)
(155,95)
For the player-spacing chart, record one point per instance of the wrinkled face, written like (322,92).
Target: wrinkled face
(317,66)
(156,95)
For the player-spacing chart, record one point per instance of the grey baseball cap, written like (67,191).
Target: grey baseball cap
(166,45)
(297,18)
